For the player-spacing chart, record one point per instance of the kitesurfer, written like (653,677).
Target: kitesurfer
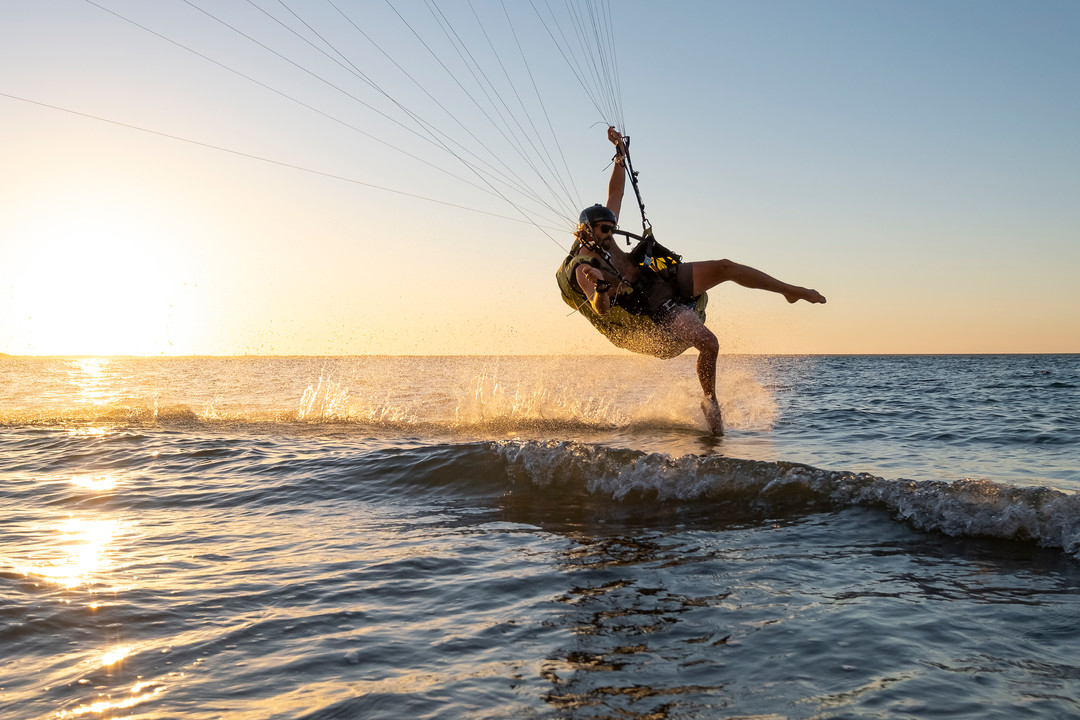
(648,309)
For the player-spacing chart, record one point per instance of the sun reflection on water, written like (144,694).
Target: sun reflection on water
(83,544)
(105,705)
(108,704)
(91,380)
(89,432)
(115,655)
(97,483)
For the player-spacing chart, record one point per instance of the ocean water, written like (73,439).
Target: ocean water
(481,537)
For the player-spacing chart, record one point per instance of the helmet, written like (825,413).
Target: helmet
(596,213)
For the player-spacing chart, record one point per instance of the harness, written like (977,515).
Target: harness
(636,321)
(657,288)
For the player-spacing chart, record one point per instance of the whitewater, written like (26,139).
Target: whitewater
(539,537)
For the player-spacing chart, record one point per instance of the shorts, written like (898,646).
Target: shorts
(666,297)
(684,282)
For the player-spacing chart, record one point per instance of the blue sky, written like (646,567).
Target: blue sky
(916,162)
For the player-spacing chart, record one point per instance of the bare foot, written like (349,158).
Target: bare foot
(807,294)
(713,418)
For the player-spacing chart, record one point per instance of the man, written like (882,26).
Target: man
(653,311)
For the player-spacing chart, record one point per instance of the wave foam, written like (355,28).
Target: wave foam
(975,508)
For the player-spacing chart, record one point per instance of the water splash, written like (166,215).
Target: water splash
(324,400)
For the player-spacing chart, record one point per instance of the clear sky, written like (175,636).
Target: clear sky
(916,162)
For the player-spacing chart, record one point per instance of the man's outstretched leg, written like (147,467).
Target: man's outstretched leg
(710,273)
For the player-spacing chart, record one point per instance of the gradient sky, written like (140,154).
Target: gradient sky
(916,162)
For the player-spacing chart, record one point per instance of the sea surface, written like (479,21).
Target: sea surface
(539,537)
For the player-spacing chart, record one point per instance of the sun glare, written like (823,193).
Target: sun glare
(95,483)
(140,692)
(83,546)
(92,279)
(115,655)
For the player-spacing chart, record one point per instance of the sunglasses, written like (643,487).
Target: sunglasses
(606,228)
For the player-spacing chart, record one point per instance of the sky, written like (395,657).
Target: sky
(185,178)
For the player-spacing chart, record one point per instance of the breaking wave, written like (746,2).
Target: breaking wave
(745,488)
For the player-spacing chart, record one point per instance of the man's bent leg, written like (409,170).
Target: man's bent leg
(687,327)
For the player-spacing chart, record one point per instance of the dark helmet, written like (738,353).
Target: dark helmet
(596,213)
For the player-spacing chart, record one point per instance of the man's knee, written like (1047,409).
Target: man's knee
(710,273)
(707,342)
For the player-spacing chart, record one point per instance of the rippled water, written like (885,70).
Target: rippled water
(888,537)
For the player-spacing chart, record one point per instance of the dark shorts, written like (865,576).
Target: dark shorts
(684,281)
(677,294)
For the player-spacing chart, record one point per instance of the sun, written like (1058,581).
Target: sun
(89,277)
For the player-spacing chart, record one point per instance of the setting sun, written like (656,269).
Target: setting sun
(89,277)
